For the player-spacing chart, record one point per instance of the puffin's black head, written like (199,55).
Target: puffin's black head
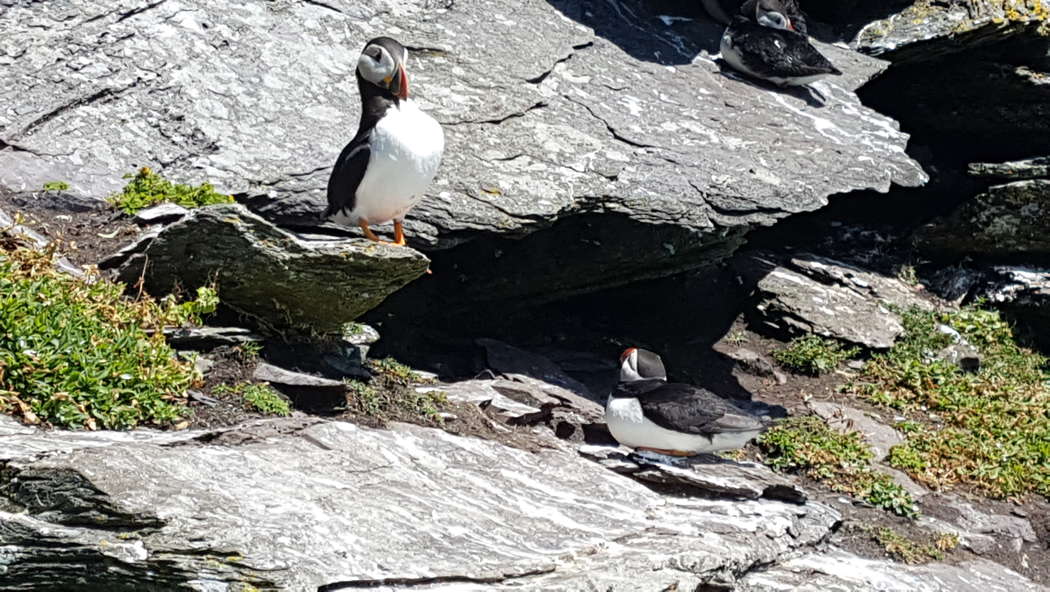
(640,364)
(382,63)
(773,13)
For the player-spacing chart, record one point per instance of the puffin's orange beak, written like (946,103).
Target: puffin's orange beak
(626,353)
(402,82)
(791,27)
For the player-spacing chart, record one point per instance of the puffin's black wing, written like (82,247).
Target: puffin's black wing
(690,409)
(347,174)
(775,52)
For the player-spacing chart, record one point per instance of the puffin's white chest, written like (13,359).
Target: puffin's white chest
(631,428)
(406,148)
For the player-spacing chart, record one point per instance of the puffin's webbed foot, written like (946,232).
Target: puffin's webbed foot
(399,233)
(666,451)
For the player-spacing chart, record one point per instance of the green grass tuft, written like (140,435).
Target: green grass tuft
(913,551)
(258,397)
(813,355)
(842,461)
(147,188)
(56,186)
(75,353)
(989,430)
(392,395)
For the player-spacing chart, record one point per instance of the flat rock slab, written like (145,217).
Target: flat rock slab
(812,294)
(277,280)
(293,505)
(706,474)
(1031,168)
(929,30)
(1010,219)
(618,114)
(879,436)
(839,571)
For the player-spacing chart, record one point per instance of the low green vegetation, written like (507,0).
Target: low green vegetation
(76,353)
(56,186)
(842,461)
(147,188)
(257,397)
(813,355)
(908,550)
(988,430)
(391,394)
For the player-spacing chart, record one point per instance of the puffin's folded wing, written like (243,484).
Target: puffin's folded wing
(772,52)
(347,174)
(693,410)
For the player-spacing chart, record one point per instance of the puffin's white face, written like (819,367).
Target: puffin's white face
(640,364)
(384,70)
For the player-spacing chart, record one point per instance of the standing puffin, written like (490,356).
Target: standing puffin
(648,413)
(768,48)
(384,170)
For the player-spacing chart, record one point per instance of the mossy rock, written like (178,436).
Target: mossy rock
(278,281)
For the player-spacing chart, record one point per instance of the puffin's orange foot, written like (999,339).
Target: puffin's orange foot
(399,234)
(368,231)
(666,451)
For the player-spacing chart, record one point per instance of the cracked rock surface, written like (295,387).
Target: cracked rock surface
(617,117)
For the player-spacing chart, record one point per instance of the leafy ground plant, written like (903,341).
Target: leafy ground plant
(76,353)
(391,395)
(988,430)
(840,460)
(147,188)
(902,548)
(258,397)
(56,186)
(813,354)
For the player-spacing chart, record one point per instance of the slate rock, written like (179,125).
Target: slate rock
(879,436)
(620,128)
(1007,220)
(930,30)
(58,201)
(205,338)
(1018,170)
(963,355)
(755,364)
(305,391)
(160,214)
(811,294)
(300,504)
(278,281)
(507,359)
(837,570)
(707,474)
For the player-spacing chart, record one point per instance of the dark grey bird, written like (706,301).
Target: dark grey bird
(384,170)
(646,412)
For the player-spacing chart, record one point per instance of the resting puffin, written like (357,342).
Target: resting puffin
(384,170)
(769,49)
(648,413)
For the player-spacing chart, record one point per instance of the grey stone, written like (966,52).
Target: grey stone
(930,30)
(963,355)
(706,474)
(901,478)
(752,362)
(812,294)
(59,201)
(277,281)
(838,571)
(484,394)
(1010,219)
(879,436)
(302,504)
(281,376)
(1024,292)
(619,128)
(209,337)
(1032,168)
(160,214)
(507,359)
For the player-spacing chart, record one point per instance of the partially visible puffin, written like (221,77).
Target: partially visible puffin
(769,49)
(721,9)
(779,14)
(382,173)
(646,412)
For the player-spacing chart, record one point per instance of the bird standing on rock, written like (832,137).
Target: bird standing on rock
(382,173)
(769,47)
(646,412)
